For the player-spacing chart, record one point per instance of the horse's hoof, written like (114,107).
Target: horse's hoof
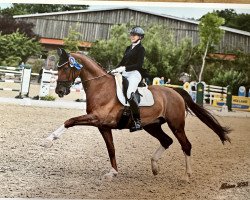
(47,143)
(109,176)
(155,167)
(187,177)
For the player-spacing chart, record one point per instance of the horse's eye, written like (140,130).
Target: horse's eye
(65,69)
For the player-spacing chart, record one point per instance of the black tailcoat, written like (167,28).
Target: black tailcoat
(133,58)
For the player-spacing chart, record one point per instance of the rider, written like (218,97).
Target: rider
(131,68)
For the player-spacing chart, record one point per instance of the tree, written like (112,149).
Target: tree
(163,56)
(234,20)
(71,43)
(229,16)
(22,9)
(17,47)
(229,72)
(109,52)
(242,22)
(229,77)
(210,35)
(9,25)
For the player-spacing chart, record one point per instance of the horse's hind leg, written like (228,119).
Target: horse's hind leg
(186,147)
(156,131)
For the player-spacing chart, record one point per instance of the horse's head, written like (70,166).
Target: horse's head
(68,70)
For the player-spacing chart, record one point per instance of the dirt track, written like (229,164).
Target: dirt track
(74,166)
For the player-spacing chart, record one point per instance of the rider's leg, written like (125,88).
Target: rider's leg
(135,113)
(134,78)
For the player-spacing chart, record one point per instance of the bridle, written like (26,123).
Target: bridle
(58,66)
(65,83)
(70,83)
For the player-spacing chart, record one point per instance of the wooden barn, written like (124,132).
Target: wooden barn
(96,24)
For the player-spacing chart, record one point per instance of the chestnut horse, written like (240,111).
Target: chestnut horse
(104,110)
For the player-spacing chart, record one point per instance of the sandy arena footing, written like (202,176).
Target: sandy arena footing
(74,166)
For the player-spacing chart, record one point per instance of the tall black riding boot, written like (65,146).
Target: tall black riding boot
(134,107)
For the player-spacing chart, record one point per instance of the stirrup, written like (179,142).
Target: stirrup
(136,127)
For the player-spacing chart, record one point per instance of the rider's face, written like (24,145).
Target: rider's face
(134,38)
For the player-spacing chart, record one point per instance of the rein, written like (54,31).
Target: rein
(94,78)
(71,83)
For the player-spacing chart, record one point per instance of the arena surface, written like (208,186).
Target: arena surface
(73,167)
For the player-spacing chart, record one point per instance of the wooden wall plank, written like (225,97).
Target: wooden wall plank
(96,25)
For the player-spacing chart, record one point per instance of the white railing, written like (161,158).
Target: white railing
(213,92)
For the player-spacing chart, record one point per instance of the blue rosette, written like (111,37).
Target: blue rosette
(74,63)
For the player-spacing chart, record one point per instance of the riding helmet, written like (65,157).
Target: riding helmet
(137,31)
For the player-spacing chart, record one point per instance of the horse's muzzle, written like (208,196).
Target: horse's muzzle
(63,88)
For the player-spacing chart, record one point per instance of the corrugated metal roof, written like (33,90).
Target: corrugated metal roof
(128,8)
(69,12)
(235,30)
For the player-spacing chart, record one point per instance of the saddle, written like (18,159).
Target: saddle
(143,94)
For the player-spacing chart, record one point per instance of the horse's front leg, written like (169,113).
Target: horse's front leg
(108,138)
(89,119)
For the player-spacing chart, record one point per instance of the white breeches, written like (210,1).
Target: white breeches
(134,78)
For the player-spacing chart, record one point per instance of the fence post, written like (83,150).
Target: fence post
(200,94)
(229,98)
(25,86)
(45,83)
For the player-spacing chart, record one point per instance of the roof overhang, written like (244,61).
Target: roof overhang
(221,56)
(59,42)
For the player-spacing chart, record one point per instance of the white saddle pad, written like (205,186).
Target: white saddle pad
(146,98)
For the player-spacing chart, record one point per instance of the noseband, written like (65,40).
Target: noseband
(66,83)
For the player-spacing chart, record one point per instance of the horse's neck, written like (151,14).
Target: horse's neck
(99,91)
(93,77)
(90,68)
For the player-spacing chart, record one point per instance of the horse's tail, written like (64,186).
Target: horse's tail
(205,116)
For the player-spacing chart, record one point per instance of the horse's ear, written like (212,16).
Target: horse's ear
(59,52)
(62,53)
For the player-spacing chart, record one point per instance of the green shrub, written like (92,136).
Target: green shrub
(17,47)
(48,98)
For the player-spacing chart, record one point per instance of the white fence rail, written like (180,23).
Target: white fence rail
(213,92)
